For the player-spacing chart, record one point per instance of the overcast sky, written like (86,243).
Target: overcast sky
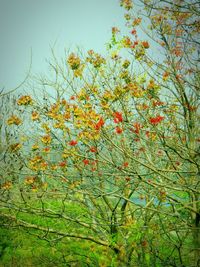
(37,24)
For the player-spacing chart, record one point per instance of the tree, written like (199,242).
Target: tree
(111,153)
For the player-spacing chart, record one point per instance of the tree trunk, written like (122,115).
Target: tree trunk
(196,240)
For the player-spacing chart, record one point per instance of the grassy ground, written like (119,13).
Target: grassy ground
(24,247)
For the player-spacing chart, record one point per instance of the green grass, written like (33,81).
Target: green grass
(25,247)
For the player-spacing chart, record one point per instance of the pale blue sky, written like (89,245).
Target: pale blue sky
(37,24)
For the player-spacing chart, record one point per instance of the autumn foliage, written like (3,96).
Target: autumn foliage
(117,137)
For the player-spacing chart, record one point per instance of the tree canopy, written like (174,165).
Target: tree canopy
(105,150)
